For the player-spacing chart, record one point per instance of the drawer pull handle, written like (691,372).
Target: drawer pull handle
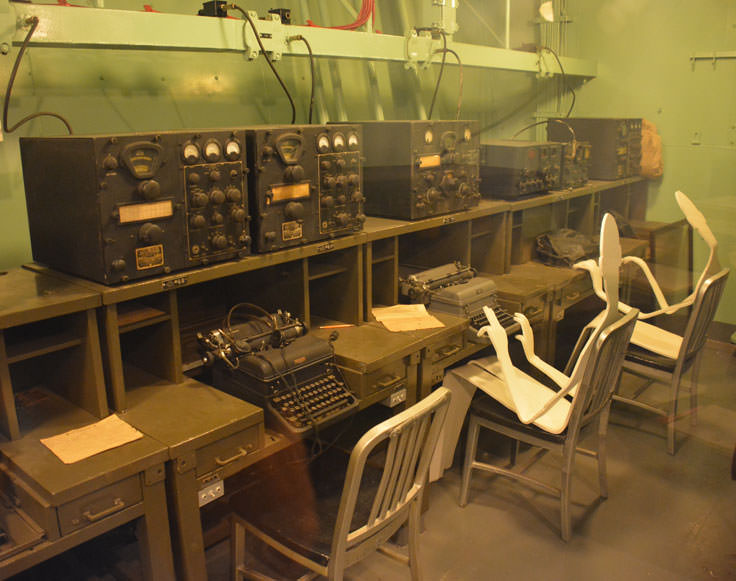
(242,452)
(447,351)
(530,312)
(573,296)
(117,505)
(386,381)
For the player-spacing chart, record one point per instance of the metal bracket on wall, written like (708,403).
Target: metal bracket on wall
(418,49)
(272,34)
(713,57)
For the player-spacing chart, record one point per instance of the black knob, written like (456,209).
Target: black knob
(354,179)
(294,173)
(217,218)
(267,151)
(269,237)
(215,175)
(110,163)
(325,164)
(340,163)
(341,199)
(448,182)
(233,195)
(342,219)
(433,195)
(150,233)
(328,201)
(341,181)
(199,199)
(294,211)
(216,196)
(219,241)
(238,215)
(464,190)
(198,221)
(360,218)
(149,189)
(357,197)
(119,264)
(328,182)
(194,178)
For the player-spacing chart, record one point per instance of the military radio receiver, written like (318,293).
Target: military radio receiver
(306,183)
(514,168)
(615,144)
(417,169)
(113,208)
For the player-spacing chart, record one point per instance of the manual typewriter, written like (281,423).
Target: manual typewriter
(455,289)
(270,360)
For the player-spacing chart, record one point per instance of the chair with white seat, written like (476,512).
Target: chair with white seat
(527,409)
(327,524)
(661,356)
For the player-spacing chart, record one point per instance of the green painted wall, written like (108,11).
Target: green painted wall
(643,49)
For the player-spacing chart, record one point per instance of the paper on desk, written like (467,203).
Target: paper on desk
(87,441)
(406,318)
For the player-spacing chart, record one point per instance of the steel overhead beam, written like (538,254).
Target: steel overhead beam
(104,28)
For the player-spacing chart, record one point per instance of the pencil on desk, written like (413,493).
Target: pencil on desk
(342,326)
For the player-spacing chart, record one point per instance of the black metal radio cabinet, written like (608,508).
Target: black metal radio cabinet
(418,169)
(615,144)
(114,208)
(575,164)
(305,184)
(511,169)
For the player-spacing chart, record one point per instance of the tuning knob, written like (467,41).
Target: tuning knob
(233,195)
(448,182)
(357,197)
(199,199)
(432,195)
(294,173)
(342,219)
(269,237)
(216,196)
(354,179)
(238,215)
(119,264)
(150,233)
(341,181)
(198,221)
(149,189)
(328,182)
(217,218)
(294,211)
(219,241)
(328,201)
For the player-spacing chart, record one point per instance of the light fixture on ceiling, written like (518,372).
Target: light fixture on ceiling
(546,11)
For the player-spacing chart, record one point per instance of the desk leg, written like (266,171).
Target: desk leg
(154,539)
(182,488)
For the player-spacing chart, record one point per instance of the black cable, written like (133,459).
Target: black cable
(439,76)
(33,21)
(311,71)
(547,121)
(268,58)
(564,78)
(460,66)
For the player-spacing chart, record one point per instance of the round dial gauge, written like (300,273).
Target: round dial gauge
(353,141)
(323,143)
(232,149)
(338,142)
(467,134)
(190,152)
(428,136)
(212,151)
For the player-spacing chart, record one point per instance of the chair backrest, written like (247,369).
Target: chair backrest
(411,437)
(701,315)
(602,370)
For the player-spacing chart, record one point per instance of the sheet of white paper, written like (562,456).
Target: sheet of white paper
(406,318)
(87,441)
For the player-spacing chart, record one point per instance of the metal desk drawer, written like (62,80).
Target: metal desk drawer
(100,504)
(229,451)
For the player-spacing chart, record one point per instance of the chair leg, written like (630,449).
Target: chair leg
(694,376)
(470,449)
(672,414)
(602,451)
(514,452)
(565,489)
(413,543)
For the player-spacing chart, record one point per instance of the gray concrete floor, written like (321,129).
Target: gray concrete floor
(666,518)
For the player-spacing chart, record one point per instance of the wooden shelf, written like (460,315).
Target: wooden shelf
(317,271)
(38,346)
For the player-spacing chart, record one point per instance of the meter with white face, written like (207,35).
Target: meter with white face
(338,142)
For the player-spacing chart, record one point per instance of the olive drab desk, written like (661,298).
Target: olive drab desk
(145,365)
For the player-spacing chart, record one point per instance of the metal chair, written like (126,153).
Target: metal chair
(591,402)
(331,523)
(661,356)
